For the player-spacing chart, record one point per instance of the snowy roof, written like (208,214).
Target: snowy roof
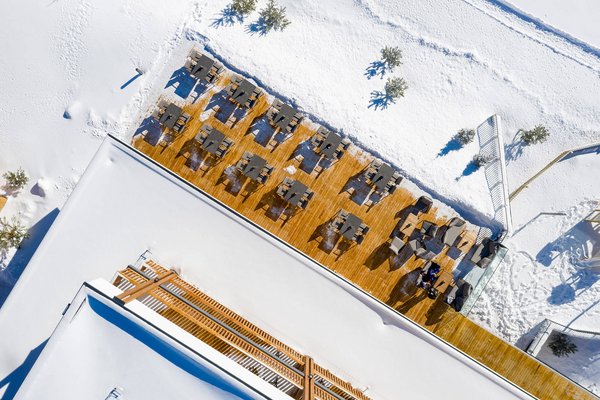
(131,349)
(126,203)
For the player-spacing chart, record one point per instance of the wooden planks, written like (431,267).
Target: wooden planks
(192,310)
(368,265)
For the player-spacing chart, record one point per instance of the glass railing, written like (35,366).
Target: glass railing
(479,278)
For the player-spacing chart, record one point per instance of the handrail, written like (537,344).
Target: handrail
(560,157)
(207,315)
(318,389)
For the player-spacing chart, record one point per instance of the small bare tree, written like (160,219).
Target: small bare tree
(12,233)
(539,134)
(395,87)
(465,136)
(15,180)
(391,56)
(273,17)
(243,7)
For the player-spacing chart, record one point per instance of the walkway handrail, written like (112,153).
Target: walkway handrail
(560,157)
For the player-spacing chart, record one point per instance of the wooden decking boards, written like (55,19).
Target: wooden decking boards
(368,265)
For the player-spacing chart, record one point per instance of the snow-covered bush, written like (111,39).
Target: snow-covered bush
(391,56)
(465,136)
(481,160)
(243,7)
(395,87)
(273,17)
(12,233)
(562,346)
(15,180)
(539,134)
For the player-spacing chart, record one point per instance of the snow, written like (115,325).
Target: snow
(110,348)
(581,366)
(70,78)
(349,332)
(575,19)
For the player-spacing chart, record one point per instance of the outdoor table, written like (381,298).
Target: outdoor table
(350,226)
(409,225)
(295,192)
(254,166)
(213,141)
(202,67)
(329,145)
(383,176)
(284,116)
(170,116)
(433,245)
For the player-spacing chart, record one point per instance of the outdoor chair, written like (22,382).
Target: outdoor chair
(423,205)
(484,253)
(396,245)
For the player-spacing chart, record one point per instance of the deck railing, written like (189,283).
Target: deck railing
(293,373)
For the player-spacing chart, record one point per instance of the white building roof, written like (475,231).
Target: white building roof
(99,346)
(125,204)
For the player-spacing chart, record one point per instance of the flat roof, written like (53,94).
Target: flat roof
(125,203)
(99,345)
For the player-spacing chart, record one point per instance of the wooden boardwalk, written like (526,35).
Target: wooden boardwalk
(369,265)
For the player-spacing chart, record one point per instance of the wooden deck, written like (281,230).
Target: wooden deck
(369,265)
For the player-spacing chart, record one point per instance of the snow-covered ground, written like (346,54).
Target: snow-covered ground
(578,19)
(463,60)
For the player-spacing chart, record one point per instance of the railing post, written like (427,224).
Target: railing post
(309,379)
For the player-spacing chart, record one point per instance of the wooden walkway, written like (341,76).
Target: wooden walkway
(369,265)
(192,310)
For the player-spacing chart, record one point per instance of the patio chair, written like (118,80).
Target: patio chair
(345,144)
(281,190)
(423,205)
(484,253)
(429,229)
(459,294)
(396,245)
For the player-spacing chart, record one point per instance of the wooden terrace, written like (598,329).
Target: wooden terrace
(370,264)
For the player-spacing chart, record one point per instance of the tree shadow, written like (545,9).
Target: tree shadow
(380,100)
(182,81)
(437,310)
(14,380)
(568,291)
(150,131)
(227,17)
(405,288)
(469,170)
(10,275)
(377,257)
(514,150)
(258,27)
(376,68)
(581,241)
(452,145)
